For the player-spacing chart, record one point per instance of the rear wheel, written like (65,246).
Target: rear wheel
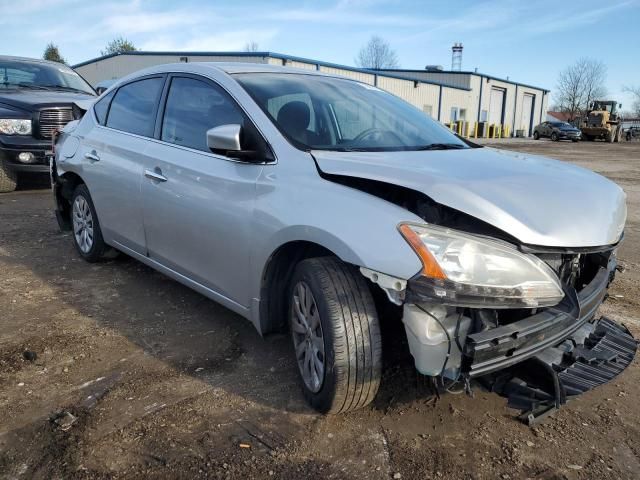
(536,136)
(8,178)
(336,335)
(87,236)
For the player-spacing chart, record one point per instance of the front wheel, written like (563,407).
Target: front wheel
(554,136)
(336,335)
(536,136)
(8,178)
(87,236)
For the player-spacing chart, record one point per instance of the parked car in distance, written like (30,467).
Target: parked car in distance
(36,98)
(325,206)
(557,131)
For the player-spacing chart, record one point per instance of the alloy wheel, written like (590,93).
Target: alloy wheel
(82,224)
(308,340)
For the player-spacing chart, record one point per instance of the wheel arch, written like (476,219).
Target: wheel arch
(276,274)
(64,187)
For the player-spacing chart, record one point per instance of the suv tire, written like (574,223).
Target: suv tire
(8,178)
(331,310)
(86,233)
(536,136)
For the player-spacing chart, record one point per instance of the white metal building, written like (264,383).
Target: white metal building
(446,96)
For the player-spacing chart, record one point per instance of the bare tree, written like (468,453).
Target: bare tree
(579,84)
(377,53)
(251,46)
(52,53)
(118,45)
(634,90)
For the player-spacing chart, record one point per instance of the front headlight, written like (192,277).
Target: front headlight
(464,270)
(12,126)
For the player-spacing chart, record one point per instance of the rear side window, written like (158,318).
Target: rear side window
(102,107)
(192,108)
(133,108)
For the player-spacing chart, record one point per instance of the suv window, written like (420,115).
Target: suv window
(193,107)
(102,107)
(133,108)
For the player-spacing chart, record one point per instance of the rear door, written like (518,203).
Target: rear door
(114,157)
(198,206)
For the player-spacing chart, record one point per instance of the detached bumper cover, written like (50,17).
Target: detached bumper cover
(594,355)
(502,347)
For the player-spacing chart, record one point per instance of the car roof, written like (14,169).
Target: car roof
(226,67)
(30,60)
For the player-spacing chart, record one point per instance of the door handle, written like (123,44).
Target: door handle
(92,155)
(155,174)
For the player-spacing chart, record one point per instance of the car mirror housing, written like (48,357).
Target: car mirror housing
(224,138)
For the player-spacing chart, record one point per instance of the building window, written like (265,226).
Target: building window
(484,115)
(463,114)
(428,109)
(455,112)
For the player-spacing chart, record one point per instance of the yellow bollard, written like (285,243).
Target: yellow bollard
(475,130)
(459,128)
(451,126)
(467,130)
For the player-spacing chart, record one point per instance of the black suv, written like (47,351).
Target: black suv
(36,98)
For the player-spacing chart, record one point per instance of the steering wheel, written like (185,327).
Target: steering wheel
(375,134)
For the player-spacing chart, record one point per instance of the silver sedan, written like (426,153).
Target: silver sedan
(313,203)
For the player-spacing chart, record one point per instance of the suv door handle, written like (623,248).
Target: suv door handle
(92,155)
(155,174)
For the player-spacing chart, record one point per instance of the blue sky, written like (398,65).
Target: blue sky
(526,41)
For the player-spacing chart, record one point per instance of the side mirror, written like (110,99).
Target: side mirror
(224,138)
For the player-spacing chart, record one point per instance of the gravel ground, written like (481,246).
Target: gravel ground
(135,376)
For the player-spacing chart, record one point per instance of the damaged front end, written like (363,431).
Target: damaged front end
(538,356)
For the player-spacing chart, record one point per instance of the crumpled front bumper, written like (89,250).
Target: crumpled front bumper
(502,347)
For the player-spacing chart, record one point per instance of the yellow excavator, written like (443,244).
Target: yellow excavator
(602,120)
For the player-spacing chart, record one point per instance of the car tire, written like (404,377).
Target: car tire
(536,136)
(554,137)
(574,140)
(8,178)
(336,335)
(85,227)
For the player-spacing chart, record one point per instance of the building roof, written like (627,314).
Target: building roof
(280,56)
(478,74)
(560,116)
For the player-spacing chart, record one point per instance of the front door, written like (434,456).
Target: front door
(198,206)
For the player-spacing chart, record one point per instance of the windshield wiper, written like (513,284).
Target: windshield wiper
(441,146)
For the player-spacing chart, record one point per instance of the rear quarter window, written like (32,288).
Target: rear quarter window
(101,108)
(133,109)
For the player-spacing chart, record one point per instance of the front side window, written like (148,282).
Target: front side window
(193,107)
(133,108)
(326,113)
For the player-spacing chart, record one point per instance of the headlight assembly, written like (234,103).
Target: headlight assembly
(465,270)
(12,126)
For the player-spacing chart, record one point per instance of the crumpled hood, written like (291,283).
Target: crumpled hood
(537,200)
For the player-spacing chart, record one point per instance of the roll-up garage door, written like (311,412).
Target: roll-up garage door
(526,114)
(496,105)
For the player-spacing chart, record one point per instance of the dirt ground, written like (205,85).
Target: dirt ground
(135,376)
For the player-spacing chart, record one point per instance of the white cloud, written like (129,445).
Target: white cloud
(224,41)
(132,23)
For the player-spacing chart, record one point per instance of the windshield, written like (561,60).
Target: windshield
(41,76)
(326,113)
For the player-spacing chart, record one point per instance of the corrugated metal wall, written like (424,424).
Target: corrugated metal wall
(422,95)
(122,65)
(454,79)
